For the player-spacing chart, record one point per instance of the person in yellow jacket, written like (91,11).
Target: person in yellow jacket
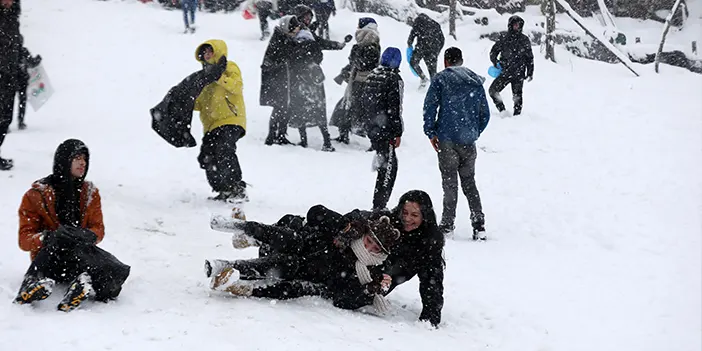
(223,116)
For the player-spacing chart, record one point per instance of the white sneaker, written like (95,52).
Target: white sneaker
(227,224)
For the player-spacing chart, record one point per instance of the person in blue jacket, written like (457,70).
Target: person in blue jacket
(463,114)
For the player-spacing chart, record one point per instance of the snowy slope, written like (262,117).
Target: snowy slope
(593,198)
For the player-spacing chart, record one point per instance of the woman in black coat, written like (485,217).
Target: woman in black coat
(292,82)
(329,255)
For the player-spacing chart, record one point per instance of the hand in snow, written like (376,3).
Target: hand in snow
(387,281)
(435,143)
(396,142)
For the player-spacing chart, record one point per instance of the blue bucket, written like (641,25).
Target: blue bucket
(495,72)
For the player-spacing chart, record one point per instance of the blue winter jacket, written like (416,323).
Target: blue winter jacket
(458,94)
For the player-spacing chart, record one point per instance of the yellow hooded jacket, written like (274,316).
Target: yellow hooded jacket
(222,102)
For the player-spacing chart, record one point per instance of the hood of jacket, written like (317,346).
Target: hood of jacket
(66,187)
(466,75)
(219,47)
(512,20)
(368,34)
(63,158)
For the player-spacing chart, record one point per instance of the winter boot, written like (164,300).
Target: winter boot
(343,138)
(446,229)
(328,148)
(240,288)
(303,137)
(78,291)
(478,222)
(221,274)
(34,289)
(5,164)
(22,126)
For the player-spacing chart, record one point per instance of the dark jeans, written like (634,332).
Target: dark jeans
(430,57)
(458,161)
(499,84)
(219,160)
(189,7)
(22,85)
(387,173)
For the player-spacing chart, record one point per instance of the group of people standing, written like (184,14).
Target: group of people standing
(354,259)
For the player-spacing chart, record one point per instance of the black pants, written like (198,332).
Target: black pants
(278,125)
(458,161)
(387,173)
(264,9)
(219,160)
(499,84)
(323,19)
(8,89)
(63,264)
(325,135)
(430,57)
(22,85)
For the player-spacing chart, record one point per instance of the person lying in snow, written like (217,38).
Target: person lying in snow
(60,225)
(417,252)
(331,256)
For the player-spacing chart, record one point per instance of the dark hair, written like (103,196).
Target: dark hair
(453,55)
(425,206)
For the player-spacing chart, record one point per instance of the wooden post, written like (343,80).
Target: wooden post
(666,27)
(452,18)
(550,28)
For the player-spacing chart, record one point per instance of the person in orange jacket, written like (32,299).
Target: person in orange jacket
(60,224)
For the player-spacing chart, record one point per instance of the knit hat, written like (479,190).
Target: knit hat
(364,21)
(392,57)
(384,233)
(288,23)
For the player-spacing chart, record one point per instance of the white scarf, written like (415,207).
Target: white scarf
(365,259)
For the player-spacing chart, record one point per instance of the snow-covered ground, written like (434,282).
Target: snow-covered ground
(593,199)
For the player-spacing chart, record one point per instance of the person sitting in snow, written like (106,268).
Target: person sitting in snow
(223,116)
(364,57)
(382,98)
(417,252)
(60,225)
(330,256)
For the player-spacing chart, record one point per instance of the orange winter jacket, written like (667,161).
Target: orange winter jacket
(38,213)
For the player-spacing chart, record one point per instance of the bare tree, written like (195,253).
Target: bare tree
(550,10)
(666,27)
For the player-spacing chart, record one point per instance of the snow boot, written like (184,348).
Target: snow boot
(228,225)
(446,229)
(34,289)
(328,148)
(78,291)
(22,126)
(240,288)
(221,274)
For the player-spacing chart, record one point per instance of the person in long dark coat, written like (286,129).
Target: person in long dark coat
(349,114)
(292,82)
(10,47)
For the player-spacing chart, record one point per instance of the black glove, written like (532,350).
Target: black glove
(67,236)
(348,38)
(214,72)
(339,79)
